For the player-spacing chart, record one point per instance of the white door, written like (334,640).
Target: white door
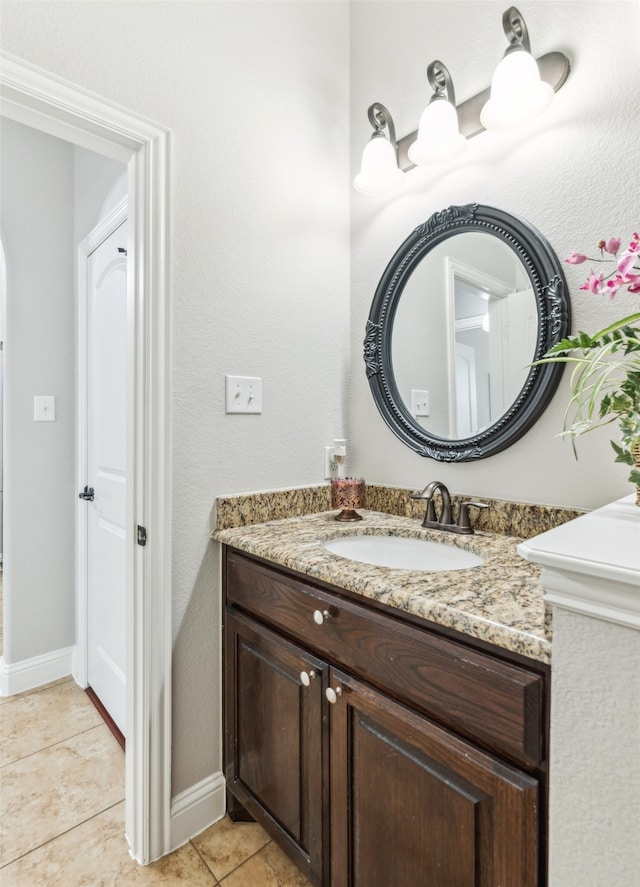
(466,407)
(106,313)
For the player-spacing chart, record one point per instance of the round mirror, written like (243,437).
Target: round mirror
(468,302)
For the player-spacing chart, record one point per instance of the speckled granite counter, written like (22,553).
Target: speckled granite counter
(500,601)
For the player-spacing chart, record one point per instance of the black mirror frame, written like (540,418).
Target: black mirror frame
(554,320)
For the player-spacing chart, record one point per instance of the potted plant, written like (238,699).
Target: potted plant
(605,381)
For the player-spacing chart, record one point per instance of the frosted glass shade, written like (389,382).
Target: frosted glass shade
(517,93)
(438,134)
(379,170)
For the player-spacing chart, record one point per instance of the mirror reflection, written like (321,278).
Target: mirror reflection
(463,335)
(467,305)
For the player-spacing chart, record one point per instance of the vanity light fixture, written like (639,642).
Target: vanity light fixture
(379,169)
(438,131)
(521,88)
(517,92)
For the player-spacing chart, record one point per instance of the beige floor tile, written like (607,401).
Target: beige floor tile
(226,845)
(268,868)
(95,854)
(5,699)
(37,720)
(53,790)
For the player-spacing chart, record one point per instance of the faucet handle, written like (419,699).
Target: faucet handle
(431,505)
(463,516)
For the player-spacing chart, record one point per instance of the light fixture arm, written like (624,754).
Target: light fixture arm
(380,117)
(515,30)
(440,81)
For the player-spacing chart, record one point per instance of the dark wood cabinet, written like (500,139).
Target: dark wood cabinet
(412,804)
(274,738)
(374,751)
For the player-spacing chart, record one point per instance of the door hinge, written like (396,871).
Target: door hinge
(142,535)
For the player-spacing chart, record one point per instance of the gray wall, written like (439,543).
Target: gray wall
(36,181)
(53,194)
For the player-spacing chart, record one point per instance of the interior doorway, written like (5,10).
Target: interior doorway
(49,104)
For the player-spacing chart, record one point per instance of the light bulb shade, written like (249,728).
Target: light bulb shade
(517,92)
(379,170)
(438,134)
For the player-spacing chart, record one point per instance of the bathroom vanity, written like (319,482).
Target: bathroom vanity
(379,723)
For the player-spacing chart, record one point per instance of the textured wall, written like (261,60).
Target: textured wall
(36,178)
(595,736)
(256,98)
(573,174)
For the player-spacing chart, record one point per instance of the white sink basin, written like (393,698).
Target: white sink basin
(403,553)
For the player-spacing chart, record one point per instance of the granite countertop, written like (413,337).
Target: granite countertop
(500,601)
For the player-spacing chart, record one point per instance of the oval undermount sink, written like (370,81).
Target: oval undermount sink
(403,553)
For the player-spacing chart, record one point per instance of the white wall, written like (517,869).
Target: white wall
(37,233)
(595,721)
(256,98)
(573,174)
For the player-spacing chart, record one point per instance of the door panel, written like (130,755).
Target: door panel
(413,804)
(106,449)
(274,738)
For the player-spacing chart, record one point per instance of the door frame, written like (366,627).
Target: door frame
(33,96)
(104,229)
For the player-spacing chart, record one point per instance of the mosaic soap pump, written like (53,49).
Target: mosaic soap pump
(347,493)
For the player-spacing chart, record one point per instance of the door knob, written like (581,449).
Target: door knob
(307,676)
(88,494)
(319,616)
(332,695)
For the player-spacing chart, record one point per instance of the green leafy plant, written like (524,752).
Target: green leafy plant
(605,380)
(605,385)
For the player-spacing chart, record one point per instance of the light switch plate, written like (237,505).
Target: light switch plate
(419,402)
(243,394)
(44,408)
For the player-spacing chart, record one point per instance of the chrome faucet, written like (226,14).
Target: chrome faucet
(444,520)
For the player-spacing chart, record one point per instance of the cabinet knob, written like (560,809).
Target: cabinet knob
(319,616)
(332,695)
(307,676)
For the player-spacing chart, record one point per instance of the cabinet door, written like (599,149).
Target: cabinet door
(414,805)
(274,737)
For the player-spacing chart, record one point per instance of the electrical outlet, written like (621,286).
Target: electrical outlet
(419,402)
(243,394)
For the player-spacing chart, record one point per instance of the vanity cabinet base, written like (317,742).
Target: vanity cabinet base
(368,785)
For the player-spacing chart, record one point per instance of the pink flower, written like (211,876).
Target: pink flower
(626,263)
(626,272)
(593,283)
(614,285)
(612,245)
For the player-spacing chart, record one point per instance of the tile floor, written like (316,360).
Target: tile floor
(62,809)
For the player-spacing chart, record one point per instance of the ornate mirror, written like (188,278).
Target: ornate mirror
(470,299)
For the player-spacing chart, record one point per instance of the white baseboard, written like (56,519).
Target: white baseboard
(28,674)
(196,808)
